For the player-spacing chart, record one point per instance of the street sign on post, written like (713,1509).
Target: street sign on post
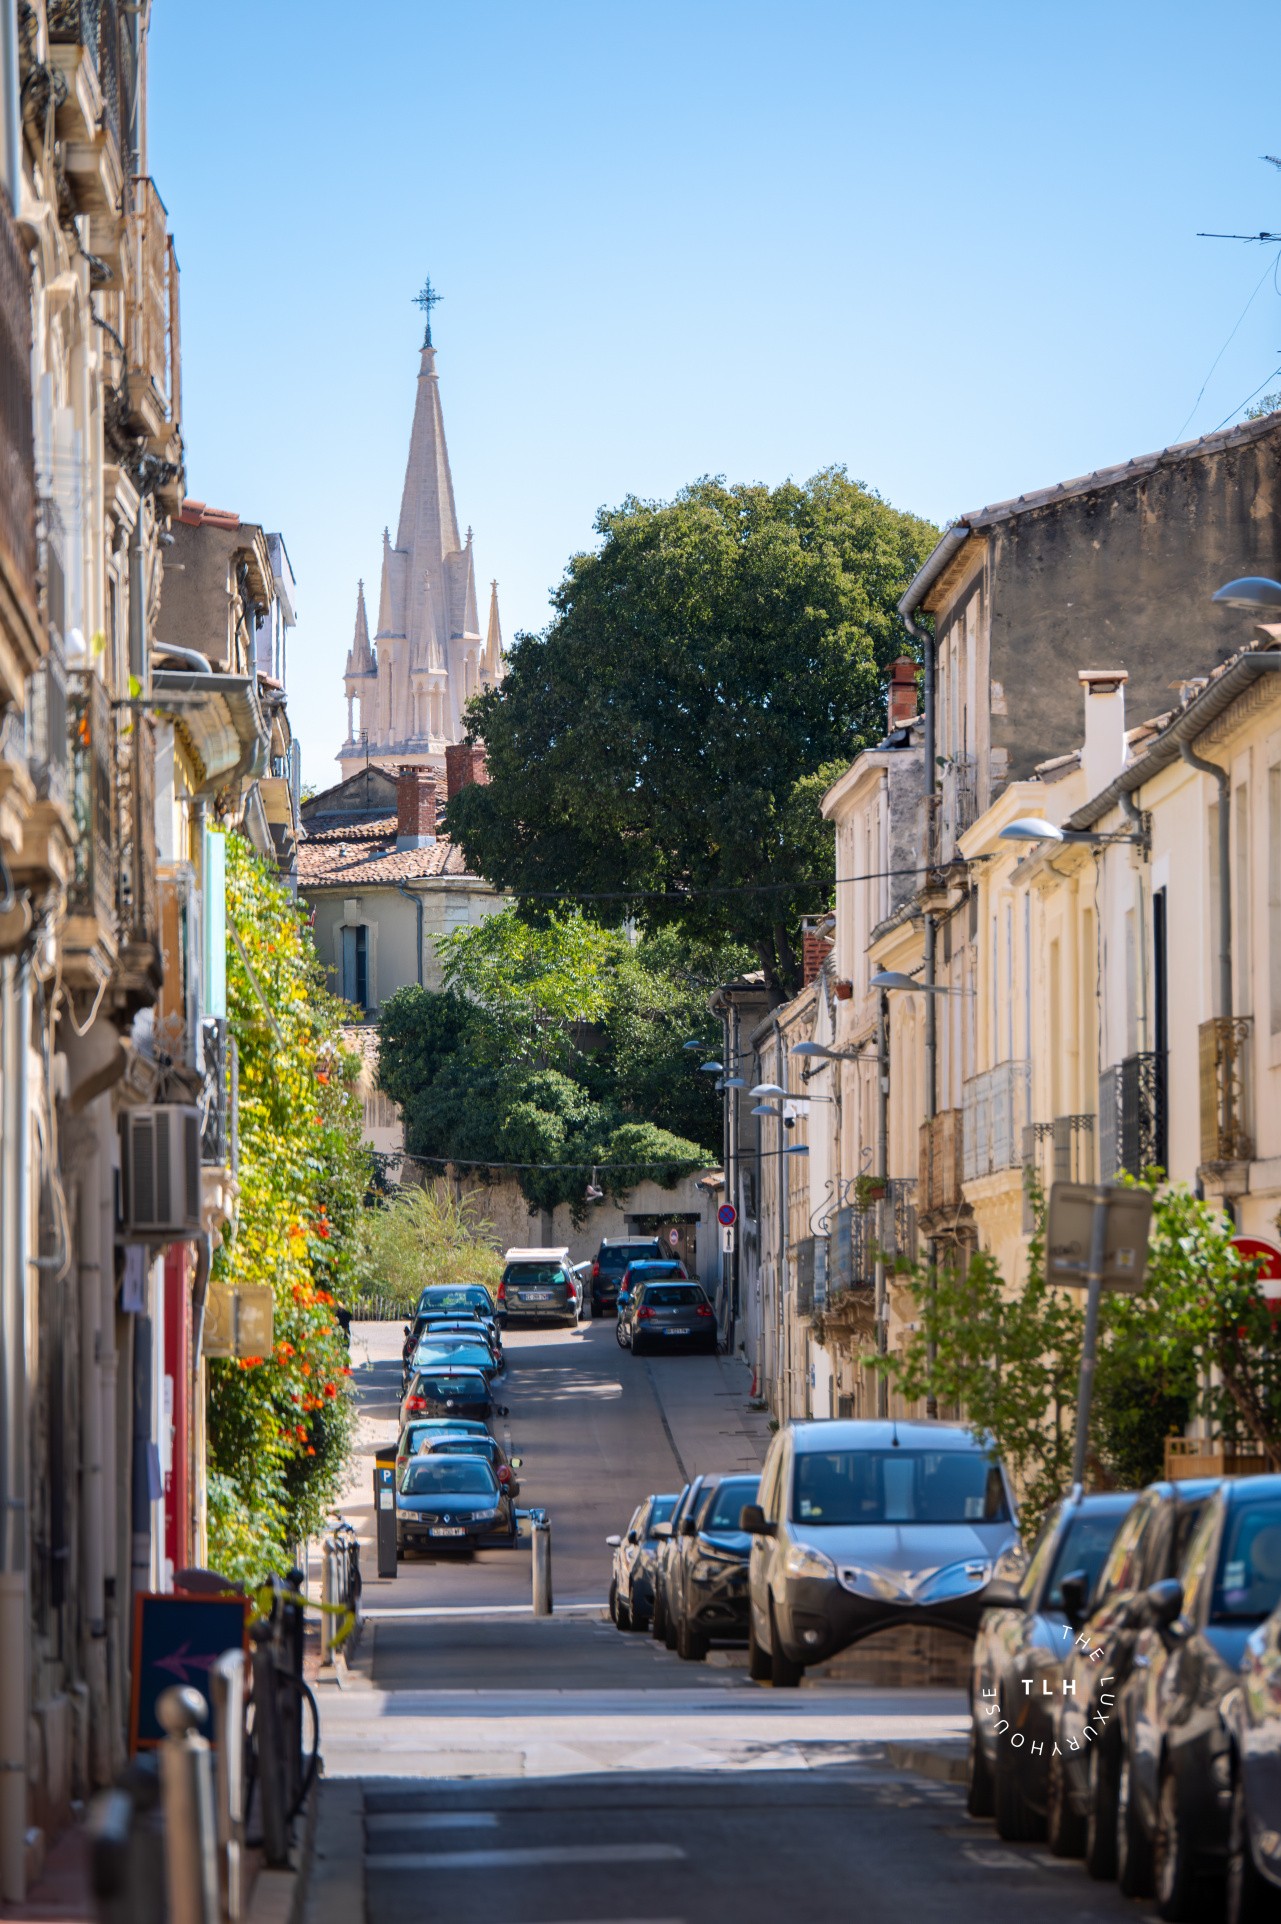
(1096,1237)
(727,1237)
(727,1215)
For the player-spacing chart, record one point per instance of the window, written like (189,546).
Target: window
(1274,896)
(721,1512)
(1244,990)
(847,1487)
(1085,1544)
(468,1478)
(1124,1567)
(355,965)
(1249,1585)
(660,1512)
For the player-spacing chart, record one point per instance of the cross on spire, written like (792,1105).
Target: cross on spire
(427,298)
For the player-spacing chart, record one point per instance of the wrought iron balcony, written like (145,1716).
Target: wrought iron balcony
(21,638)
(219,1101)
(851,1262)
(1132,1116)
(154,381)
(1058,1151)
(90,940)
(941,1164)
(1226,1120)
(996,1107)
(137,898)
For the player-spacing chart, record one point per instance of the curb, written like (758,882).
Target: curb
(945,1763)
(278,1897)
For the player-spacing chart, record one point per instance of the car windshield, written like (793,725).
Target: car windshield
(535,1275)
(1249,1584)
(469,1388)
(438,1298)
(661,1511)
(443,1339)
(722,1512)
(434,1478)
(897,1486)
(1084,1546)
(459,1446)
(672,1296)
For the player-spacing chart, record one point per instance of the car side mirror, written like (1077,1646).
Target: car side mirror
(663,1530)
(613,1542)
(687,1527)
(1164,1603)
(1074,1589)
(624,1298)
(1003,1594)
(754,1520)
(408,1331)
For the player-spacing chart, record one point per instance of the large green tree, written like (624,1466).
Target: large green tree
(705,663)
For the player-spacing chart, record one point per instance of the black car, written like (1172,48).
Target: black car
(469,1443)
(611,1260)
(450,1392)
(707,1569)
(1020,1652)
(1253,1714)
(1174,1790)
(664,1312)
(452,1501)
(1084,1763)
(631,1585)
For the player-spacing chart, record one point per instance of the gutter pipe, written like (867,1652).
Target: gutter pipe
(1220,775)
(417,901)
(15,1183)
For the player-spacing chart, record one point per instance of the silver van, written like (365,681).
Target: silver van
(862,1525)
(538,1283)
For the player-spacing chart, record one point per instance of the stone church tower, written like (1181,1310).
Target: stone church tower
(407,689)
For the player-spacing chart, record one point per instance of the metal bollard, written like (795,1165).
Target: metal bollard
(227,1692)
(269,1746)
(328,1587)
(186,1793)
(542,1562)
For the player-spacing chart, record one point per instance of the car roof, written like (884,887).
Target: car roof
(460,1425)
(1101,1502)
(464,1374)
(852,1433)
(1243,1489)
(625,1242)
(1191,1489)
(658,1262)
(559,1255)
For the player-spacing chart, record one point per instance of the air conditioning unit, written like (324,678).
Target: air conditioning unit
(160,1172)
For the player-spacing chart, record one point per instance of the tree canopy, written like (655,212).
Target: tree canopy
(709,660)
(559,1045)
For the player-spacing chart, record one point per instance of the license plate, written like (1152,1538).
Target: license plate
(669,1331)
(535,1296)
(447,1530)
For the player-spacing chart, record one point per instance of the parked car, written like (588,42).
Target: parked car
(1019,1658)
(450,1392)
(439,1348)
(1253,1712)
(664,1313)
(412,1433)
(1174,1791)
(631,1585)
(1084,1764)
(708,1566)
(441,1299)
(538,1283)
(860,1525)
(469,1443)
(611,1260)
(665,1533)
(454,1500)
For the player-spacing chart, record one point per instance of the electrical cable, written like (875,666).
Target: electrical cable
(1249,397)
(487,1162)
(1231,337)
(720,888)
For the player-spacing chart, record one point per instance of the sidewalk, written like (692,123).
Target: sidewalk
(62,1888)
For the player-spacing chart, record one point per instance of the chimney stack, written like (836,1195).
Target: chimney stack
(464,764)
(415,807)
(815,949)
(902,702)
(1103,755)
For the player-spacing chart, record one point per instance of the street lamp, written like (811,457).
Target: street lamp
(1250,591)
(1032,828)
(767,1089)
(894,979)
(711,1068)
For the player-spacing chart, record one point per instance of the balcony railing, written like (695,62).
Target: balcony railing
(996,1114)
(1058,1151)
(46,740)
(136,898)
(1226,1120)
(92,890)
(1132,1116)
(155,359)
(94,25)
(850,1259)
(17,450)
(941,1165)
(219,1098)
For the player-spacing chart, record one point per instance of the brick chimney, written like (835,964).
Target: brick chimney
(464,763)
(815,949)
(415,807)
(902,703)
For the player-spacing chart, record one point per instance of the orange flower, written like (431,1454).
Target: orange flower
(331,1389)
(310,1450)
(300,1432)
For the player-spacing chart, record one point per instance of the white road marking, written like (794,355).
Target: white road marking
(380,1820)
(390,1614)
(527,1858)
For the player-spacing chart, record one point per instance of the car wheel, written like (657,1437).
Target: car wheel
(620,1334)
(1016,1821)
(690,1647)
(978,1777)
(658,1622)
(1173,1871)
(1133,1851)
(758,1660)
(1249,1899)
(613,1600)
(784,1674)
(1100,1811)
(1064,1829)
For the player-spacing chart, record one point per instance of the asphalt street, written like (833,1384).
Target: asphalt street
(483,1763)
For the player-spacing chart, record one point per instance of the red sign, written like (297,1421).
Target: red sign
(1268,1257)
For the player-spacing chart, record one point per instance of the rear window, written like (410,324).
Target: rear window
(459,1446)
(535,1275)
(728,1498)
(466,1388)
(1249,1585)
(618,1255)
(437,1478)
(672,1295)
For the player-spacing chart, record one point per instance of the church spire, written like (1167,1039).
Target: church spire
(360,656)
(493,637)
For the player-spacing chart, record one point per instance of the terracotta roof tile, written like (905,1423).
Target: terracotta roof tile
(365,852)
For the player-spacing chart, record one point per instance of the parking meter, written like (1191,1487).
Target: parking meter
(385,1511)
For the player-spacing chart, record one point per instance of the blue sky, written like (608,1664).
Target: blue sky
(951,248)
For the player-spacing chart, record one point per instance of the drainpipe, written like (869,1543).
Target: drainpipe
(882,1174)
(138,665)
(15,1180)
(417,901)
(1220,775)
(930,659)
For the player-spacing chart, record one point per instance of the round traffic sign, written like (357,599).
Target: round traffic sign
(727,1215)
(1268,1257)
(674,1238)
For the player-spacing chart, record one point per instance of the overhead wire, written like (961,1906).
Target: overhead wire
(1270,269)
